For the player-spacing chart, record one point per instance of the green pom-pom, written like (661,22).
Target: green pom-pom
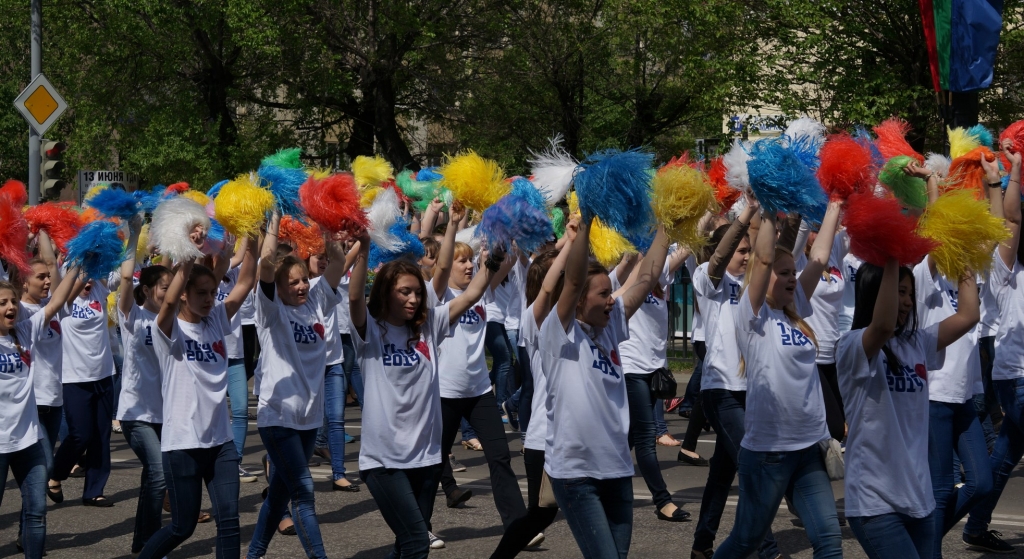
(912,191)
(285,159)
(558,222)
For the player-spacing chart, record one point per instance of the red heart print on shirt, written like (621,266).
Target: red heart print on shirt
(218,347)
(615,358)
(26,357)
(480,311)
(55,326)
(921,371)
(319,329)
(421,347)
(95,305)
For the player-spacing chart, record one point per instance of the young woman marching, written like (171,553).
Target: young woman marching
(196,439)
(291,317)
(886,361)
(586,454)
(785,417)
(396,336)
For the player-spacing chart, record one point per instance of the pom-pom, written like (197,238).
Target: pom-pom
(173,222)
(93,191)
(476,182)
(382,215)
(682,195)
(215,189)
(112,308)
(846,167)
(558,222)
(515,219)
(966,172)
(215,237)
(407,245)
(879,230)
(892,139)
(607,245)
(1014,133)
(573,202)
(13,235)
(241,206)
(307,240)
(15,191)
(938,164)
(371,171)
(725,194)
(333,203)
(176,188)
(553,170)
(284,184)
(805,136)
(806,127)
(910,190)
(468,236)
(142,250)
(981,134)
(428,174)
(97,250)
(964,231)
(735,161)
(422,193)
(114,202)
(368,195)
(616,187)
(58,219)
(89,215)
(961,142)
(782,183)
(198,197)
(525,189)
(288,158)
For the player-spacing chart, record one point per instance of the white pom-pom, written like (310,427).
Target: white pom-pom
(735,161)
(552,171)
(938,164)
(173,222)
(738,208)
(805,127)
(382,214)
(469,237)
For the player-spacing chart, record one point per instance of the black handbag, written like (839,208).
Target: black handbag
(663,384)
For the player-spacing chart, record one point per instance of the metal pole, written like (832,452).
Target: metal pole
(34,161)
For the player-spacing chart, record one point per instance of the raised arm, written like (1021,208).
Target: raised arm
(575,276)
(223,260)
(126,295)
(357,285)
(759,270)
(821,250)
(337,263)
(886,313)
(59,296)
(430,218)
(650,270)
(625,267)
(169,310)
(725,249)
(445,258)
(506,266)
(1011,209)
(48,257)
(792,230)
(968,313)
(476,288)
(268,254)
(542,304)
(246,277)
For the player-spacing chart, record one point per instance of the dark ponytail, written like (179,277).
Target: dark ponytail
(869,283)
(149,277)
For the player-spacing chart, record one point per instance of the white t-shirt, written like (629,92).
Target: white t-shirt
(850,266)
(827,300)
(498,302)
(234,338)
(887,448)
(959,364)
(194,364)
(785,407)
(344,313)
(587,408)
(646,349)
(85,339)
(718,307)
(463,365)
(293,358)
(47,358)
(516,295)
(332,337)
(402,407)
(19,420)
(697,328)
(1009,360)
(989,324)
(537,430)
(141,384)
(248,309)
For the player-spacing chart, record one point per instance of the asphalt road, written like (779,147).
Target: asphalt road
(352,526)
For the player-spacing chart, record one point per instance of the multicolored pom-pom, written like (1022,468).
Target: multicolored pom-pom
(879,230)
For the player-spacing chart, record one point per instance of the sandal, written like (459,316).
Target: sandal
(55,492)
(668,440)
(472,444)
(204,517)
(287,530)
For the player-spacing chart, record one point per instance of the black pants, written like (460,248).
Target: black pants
(835,417)
(482,414)
(521,531)
(250,349)
(88,407)
(697,420)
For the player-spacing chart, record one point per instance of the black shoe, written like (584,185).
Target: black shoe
(679,515)
(313,463)
(706,554)
(988,541)
(56,494)
(350,488)
(687,459)
(458,497)
(101,502)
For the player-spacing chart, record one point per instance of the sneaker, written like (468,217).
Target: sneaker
(458,496)
(706,554)
(349,438)
(456,465)
(537,540)
(504,419)
(513,417)
(988,541)
(244,476)
(435,542)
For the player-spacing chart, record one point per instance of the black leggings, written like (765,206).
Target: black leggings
(835,418)
(537,518)
(250,349)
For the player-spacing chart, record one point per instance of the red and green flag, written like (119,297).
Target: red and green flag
(962,37)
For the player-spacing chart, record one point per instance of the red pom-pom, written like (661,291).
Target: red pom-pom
(13,236)
(725,194)
(14,190)
(307,239)
(402,198)
(892,139)
(333,203)
(846,167)
(1014,133)
(966,172)
(176,188)
(879,230)
(58,219)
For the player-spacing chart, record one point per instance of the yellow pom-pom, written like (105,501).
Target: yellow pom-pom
(607,244)
(960,142)
(368,195)
(574,204)
(476,182)
(112,308)
(318,173)
(682,195)
(371,171)
(198,197)
(142,251)
(242,206)
(93,191)
(966,232)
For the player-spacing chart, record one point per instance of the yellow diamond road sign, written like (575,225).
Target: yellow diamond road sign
(40,104)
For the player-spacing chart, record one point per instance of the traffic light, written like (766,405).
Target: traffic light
(51,167)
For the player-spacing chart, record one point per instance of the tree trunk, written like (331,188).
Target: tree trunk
(385,125)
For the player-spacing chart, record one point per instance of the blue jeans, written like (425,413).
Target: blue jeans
(1007,452)
(406,501)
(467,430)
(956,426)
(767,477)
(290,451)
(88,406)
(29,468)
(642,434)
(332,433)
(725,411)
(185,472)
(49,421)
(238,395)
(496,342)
(599,513)
(144,440)
(660,426)
(353,374)
(894,535)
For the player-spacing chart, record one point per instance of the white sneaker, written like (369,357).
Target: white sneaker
(435,542)
(244,476)
(537,540)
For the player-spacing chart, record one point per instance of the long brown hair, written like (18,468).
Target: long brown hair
(380,295)
(593,269)
(535,277)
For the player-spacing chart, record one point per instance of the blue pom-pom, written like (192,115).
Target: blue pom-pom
(512,218)
(864,137)
(147,199)
(428,174)
(983,135)
(806,149)
(616,187)
(642,241)
(525,189)
(216,232)
(782,183)
(284,185)
(97,250)
(215,189)
(411,246)
(114,202)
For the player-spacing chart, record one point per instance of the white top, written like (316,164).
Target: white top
(233,339)
(587,408)
(402,407)
(537,430)
(332,337)
(248,309)
(827,299)
(887,448)
(47,358)
(499,302)
(718,306)
(960,362)
(462,364)
(646,349)
(293,358)
(850,266)
(697,327)
(86,342)
(344,314)
(1009,360)
(141,384)
(516,295)
(194,364)
(19,420)
(989,324)
(785,407)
